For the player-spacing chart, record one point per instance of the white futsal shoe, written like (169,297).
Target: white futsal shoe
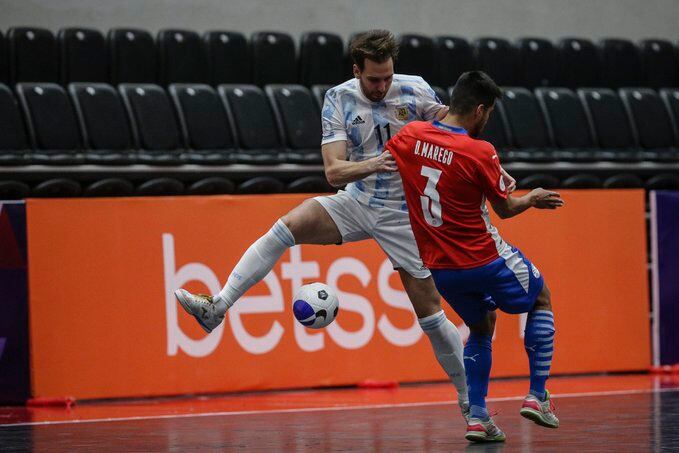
(208,312)
(483,431)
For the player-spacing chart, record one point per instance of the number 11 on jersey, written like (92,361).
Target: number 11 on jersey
(431,203)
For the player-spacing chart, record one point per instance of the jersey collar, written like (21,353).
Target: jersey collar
(453,129)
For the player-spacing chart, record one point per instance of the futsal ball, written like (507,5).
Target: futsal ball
(315,305)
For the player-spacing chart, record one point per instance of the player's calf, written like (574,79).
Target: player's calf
(539,344)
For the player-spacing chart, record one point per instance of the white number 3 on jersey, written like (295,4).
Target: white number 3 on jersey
(431,203)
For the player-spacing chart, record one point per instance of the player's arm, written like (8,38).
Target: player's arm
(340,171)
(537,198)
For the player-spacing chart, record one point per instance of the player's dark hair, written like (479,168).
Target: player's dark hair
(376,45)
(472,89)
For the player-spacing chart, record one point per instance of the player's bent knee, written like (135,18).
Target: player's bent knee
(544,299)
(296,219)
(426,306)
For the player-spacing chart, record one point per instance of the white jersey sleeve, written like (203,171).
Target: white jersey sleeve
(332,119)
(429,102)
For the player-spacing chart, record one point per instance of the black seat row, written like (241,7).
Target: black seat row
(142,123)
(128,55)
(587,125)
(197,124)
(12,189)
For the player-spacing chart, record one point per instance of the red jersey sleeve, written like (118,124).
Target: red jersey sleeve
(489,174)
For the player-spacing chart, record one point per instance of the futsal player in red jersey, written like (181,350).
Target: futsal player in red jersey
(448,175)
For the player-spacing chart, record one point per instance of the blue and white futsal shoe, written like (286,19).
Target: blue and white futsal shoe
(209,312)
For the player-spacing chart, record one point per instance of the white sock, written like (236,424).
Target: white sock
(256,262)
(448,348)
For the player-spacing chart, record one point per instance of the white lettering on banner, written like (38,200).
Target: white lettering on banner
(296,271)
(351,302)
(397,299)
(258,304)
(176,338)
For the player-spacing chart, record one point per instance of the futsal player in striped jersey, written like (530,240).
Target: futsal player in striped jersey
(448,174)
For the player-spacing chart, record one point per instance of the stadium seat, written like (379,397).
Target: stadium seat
(4,60)
(670,97)
(13,139)
(273,58)
(160,186)
(497,58)
(453,56)
(33,55)
(13,190)
(52,123)
(319,94)
(610,124)
(182,57)
(109,187)
(536,62)
(211,186)
(652,124)
(57,188)
(310,184)
(527,126)
(154,123)
(321,59)
(228,57)
(207,131)
(623,181)
(578,63)
(260,185)
(660,67)
(663,182)
(416,56)
(83,56)
(299,122)
(133,56)
(105,130)
(620,63)
(538,180)
(256,130)
(582,181)
(568,125)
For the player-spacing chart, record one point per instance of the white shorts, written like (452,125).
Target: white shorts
(389,226)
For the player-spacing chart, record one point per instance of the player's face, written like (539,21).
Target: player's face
(375,78)
(481,116)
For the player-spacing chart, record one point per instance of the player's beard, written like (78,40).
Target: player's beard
(374,95)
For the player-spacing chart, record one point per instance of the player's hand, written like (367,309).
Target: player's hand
(545,199)
(510,182)
(385,162)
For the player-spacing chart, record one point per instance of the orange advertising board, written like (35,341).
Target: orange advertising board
(104,322)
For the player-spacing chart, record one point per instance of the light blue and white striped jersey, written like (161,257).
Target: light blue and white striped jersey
(367,126)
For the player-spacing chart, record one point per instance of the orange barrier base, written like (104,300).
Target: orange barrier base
(328,399)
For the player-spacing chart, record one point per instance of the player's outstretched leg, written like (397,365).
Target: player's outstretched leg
(253,266)
(539,344)
(308,223)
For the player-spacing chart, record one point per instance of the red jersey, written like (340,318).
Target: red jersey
(447,177)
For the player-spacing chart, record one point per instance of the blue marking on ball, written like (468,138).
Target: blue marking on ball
(304,313)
